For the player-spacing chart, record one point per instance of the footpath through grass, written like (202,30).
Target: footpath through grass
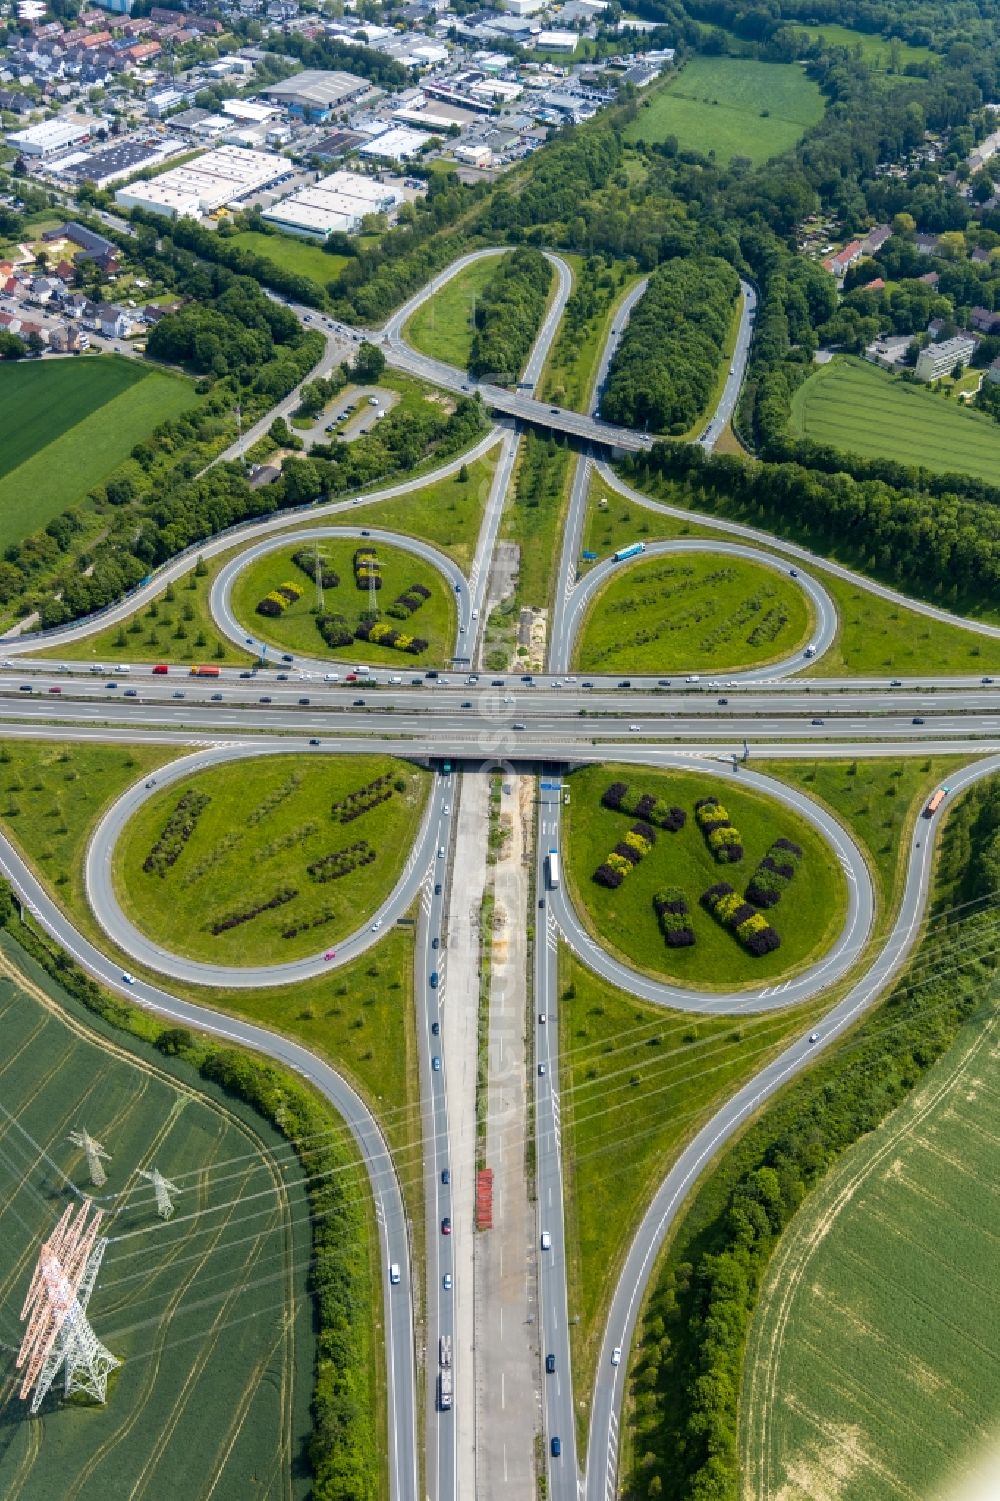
(870,1348)
(211,1315)
(296,630)
(443,326)
(808,917)
(693,610)
(317,846)
(730,106)
(67,424)
(854,406)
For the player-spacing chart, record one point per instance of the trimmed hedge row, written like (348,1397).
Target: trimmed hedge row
(626,854)
(767,884)
(674,917)
(334,629)
(409,603)
(176,832)
(283,895)
(362,799)
(277,602)
(724,842)
(367,569)
(341,862)
(730,911)
(380,634)
(316,569)
(620,798)
(317,920)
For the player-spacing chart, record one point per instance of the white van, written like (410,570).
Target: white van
(331,677)
(122,667)
(394,1274)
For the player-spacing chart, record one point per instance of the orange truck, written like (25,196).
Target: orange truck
(205,672)
(935,802)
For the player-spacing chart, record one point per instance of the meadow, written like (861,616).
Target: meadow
(210,1313)
(442,327)
(68,424)
(878,52)
(292,253)
(730,106)
(807,919)
(852,405)
(696,611)
(296,629)
(873,1354)
(318,846)
(571,367)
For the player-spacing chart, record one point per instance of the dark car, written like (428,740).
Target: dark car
(437,888)
(466,703)
(107,685)
(556,1447)
(431,674)
(625,683)
(446,1226)
(314,741)
(434,979)
(664,682)
(817,721)
(445,1176)
(216,697)
(287,657)
(435,1029)
(303,700)
(26,687)
(723,701)
(358,703)
(247,674)
(282,677)
(265,700)
(550,1365)
(986,680)
(435,943)
(554,411)
(498,683)
(366,534)
(919,719)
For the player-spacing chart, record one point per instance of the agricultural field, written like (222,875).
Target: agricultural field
(639,1079)
(807,916)
(872,1354)
(209,1313)
(696,611)
(291,253)
(854,406)
(730,106)
(442,327)
(68,424)
(297,627)
(319,845)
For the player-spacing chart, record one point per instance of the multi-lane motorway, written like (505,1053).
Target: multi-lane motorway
(475,720)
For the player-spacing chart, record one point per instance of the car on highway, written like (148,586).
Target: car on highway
(266,699)
(817,721)
(556,1446)
(437,888)
(440,854)
(446,1226)
(435,1029)
(793,573)
(663,682)
(247,674)
(722,702)
(436,1064)
(616,1355)
(919,719)
(625,683)
(467,703)
(435,942)
(376,924)
(446,1282)
(498,683)
(177,693)
(986,680)
(55,688)
(693,678)
(129,979)
(434,979)
(814,1037)
(313,741)
(107,685)
(282,677)
(550,1365)
(546,1241)
(216,697)
(517,725)
(286,656)
(541,1018)
(394,1274)
(357,703)
(446,1176)
(634,727)
(330,954)
(542,1070)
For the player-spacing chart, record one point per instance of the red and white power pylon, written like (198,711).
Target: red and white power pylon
(59,1336)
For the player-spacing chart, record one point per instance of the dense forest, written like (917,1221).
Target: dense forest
(509,312)
(665,367)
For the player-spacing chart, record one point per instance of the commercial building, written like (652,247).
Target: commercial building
(49,138)
(522,7)
(940,359)
(225,176)
(337,202)
(124,159)
(556,41)
(397,145)
(473,155)
(315,92)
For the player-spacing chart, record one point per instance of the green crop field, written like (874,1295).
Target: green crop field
(730,106)
(67,424)
(692,611)
(288,822)
(301,257)
(296,630)
(442,326)
(209,1313)
(871,1367)
(807,919)
(852,405)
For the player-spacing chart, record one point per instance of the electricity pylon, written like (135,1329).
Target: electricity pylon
(94,1152)
(59,1335)
(163,1188)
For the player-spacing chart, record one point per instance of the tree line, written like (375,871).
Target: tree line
(509,312)
(690,1349)
(664,370)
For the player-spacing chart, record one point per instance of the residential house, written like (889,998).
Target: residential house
(986,322)
(993,373)
(114,322)
(930,278)
(838,264)
(940,359)
(875,239)
(979,256)
(925,244)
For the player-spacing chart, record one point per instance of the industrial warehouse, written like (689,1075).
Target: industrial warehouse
(337,202)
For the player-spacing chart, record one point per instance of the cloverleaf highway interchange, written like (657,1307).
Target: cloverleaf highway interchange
(513,1326)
